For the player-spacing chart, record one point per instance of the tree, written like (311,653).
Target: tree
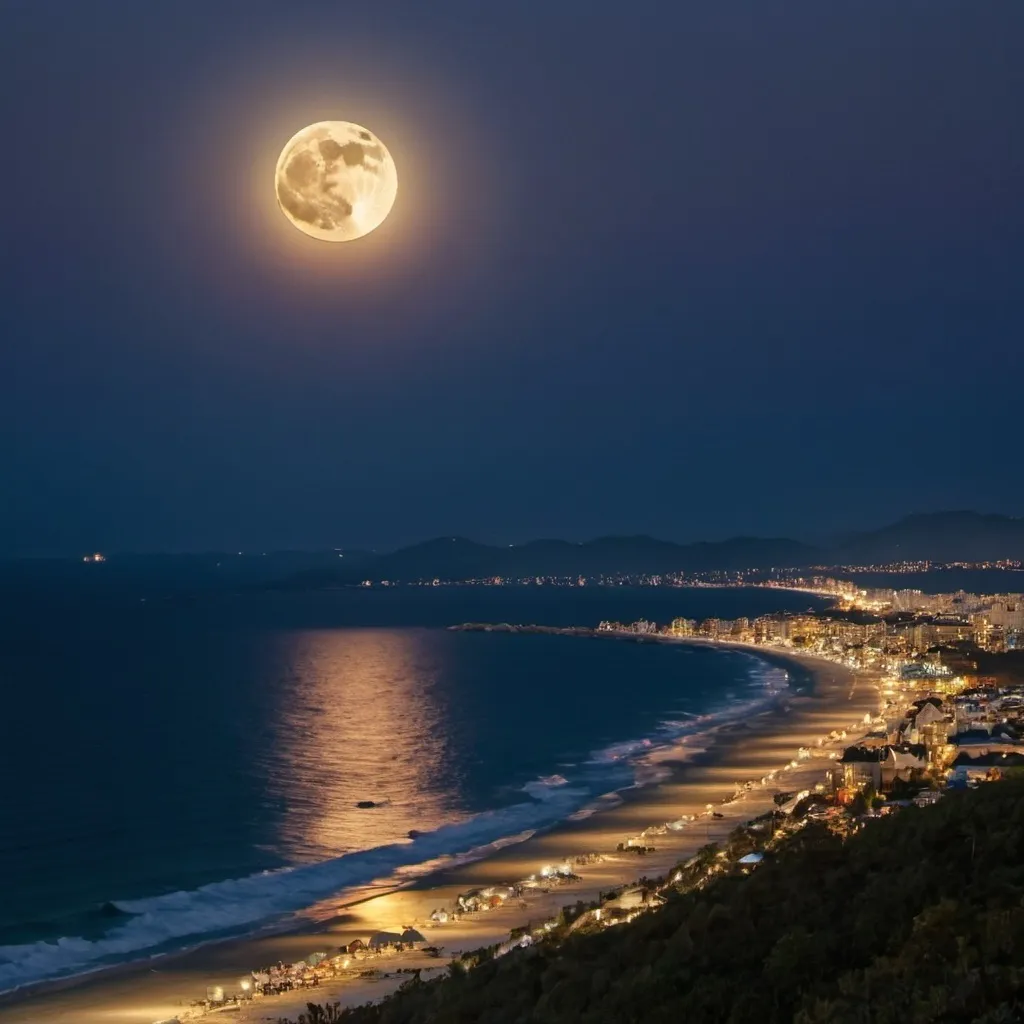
(901,923)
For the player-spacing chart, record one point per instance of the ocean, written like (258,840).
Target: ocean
(177,770)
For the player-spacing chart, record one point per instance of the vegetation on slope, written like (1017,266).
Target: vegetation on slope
(917,918)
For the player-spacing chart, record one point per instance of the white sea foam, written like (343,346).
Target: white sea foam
(548,787)
(605,802)
(237,904)
(621,751)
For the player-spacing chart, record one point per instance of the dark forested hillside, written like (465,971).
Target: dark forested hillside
(919,918)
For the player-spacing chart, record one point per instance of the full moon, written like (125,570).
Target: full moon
(335,181)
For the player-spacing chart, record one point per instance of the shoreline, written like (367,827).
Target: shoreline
(158,988)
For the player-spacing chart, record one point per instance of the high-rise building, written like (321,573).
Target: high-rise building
(682,627)
(1007,612)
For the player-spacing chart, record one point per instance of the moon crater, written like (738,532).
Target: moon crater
(335,181)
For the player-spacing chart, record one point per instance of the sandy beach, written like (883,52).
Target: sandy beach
(164,987)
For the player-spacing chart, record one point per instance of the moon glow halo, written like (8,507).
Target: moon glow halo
(335,181)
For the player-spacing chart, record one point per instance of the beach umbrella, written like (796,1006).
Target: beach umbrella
(384,939)
(410,935)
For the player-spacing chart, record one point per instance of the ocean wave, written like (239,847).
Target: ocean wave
(622,751)
(141,927)
(547,787)
(605,802)
(235,905)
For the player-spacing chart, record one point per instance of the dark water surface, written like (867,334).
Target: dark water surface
(152,748)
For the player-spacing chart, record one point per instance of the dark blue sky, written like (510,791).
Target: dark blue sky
(692,269)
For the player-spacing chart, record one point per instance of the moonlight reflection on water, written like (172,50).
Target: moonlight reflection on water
(358,720)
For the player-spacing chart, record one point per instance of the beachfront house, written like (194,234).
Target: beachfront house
(929,723)
(383,939)
(879,767)
(926,720)
(907,762)
(860,767)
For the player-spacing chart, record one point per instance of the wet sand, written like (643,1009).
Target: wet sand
(164,987)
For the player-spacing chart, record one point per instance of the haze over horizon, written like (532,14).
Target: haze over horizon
(963,520)
(705,272)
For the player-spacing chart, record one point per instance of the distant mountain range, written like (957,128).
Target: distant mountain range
(936,537)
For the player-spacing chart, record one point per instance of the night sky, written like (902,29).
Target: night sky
(690,269)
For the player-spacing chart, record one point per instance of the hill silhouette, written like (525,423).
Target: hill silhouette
(937,537)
